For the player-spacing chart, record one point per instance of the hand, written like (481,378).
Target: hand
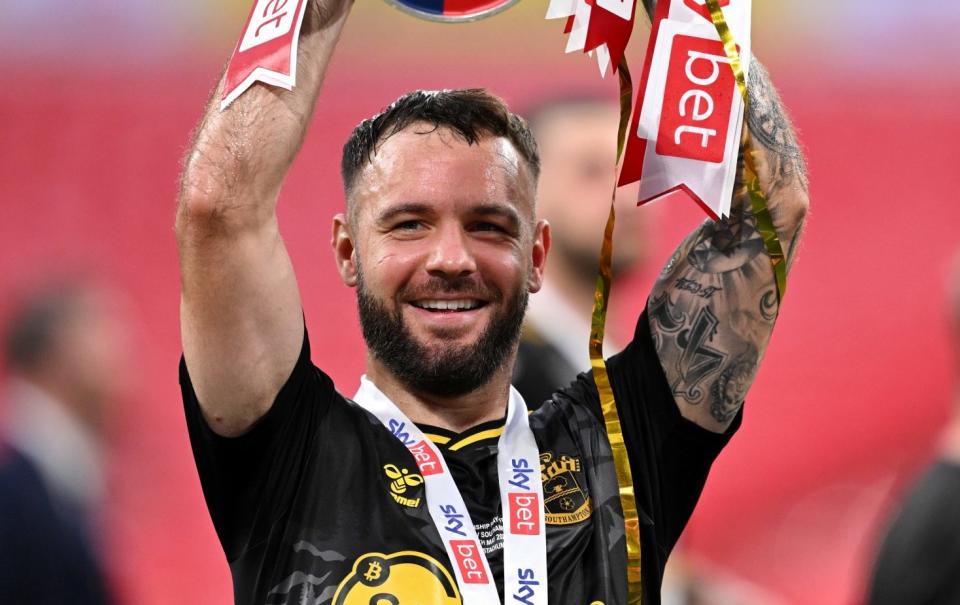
(322,13)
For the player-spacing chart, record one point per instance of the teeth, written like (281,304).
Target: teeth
(448,305)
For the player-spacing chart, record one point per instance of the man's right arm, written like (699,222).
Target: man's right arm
(240,315)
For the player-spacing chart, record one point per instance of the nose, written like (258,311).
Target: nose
(450,255)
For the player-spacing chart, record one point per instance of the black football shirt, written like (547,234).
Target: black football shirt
(320,504)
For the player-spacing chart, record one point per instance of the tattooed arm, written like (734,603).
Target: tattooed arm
(713,308)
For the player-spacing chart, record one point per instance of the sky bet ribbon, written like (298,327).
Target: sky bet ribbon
(267,50)
(521,498)
(688,120)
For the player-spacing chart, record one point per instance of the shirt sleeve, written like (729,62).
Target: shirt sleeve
(670,456)
(249,481)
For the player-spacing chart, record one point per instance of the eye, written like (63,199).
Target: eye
(485,226)
(410,225)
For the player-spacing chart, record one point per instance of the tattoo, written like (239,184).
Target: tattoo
(693,287)
(674,259)
(769,305)
(730,389)
(728,244)
(691,337)
(713,308)
(770,127)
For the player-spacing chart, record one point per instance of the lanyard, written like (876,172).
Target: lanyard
(521,497)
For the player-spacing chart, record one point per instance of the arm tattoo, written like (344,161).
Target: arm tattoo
(770,127)
(713,308)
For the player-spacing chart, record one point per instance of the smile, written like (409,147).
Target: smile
(464,304)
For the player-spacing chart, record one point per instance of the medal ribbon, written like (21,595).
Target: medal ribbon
(521,498)
(758,202)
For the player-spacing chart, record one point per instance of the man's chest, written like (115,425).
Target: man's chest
(362,528)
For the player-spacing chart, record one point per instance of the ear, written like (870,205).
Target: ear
(344,251)
(541,246)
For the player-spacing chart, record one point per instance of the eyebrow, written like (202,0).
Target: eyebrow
(501,210)
(408,208)
(416,208)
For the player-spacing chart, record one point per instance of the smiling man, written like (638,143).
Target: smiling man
(431,485)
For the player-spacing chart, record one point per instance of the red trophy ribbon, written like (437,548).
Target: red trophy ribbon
(267,51)
(688,118)
(601,25)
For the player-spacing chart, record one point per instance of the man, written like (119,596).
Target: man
(575,135)
(64,349)
(316,497)
(919,556)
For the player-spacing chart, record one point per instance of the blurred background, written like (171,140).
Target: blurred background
(96,108)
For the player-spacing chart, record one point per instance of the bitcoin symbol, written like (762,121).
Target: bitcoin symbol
(373,571)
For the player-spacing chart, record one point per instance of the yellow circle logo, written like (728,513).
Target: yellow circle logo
(401,578)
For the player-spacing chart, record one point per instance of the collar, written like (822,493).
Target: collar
(64,450)
(485,433)
(547,310)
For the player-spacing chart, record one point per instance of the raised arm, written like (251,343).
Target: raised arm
(713,307)
(240,315)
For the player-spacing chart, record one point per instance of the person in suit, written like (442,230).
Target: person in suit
(64,352)
(919,555)
(576,133)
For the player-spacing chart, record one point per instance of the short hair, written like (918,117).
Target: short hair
(540,111)
(37,323)
(471,113)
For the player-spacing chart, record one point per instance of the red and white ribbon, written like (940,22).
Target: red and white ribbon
(688,120)
(521,497)
(603,26)
(267,50)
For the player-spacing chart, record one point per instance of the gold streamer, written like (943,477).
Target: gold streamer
(601,296)
(758,202)
(611,418)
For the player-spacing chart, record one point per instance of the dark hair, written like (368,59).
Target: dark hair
(37,323)
(471,113)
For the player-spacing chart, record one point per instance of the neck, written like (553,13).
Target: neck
(573,286)
(952,437)
(459,413)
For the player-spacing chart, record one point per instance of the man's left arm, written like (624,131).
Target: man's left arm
(714,305)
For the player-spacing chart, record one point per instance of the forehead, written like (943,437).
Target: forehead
(575,124)
(423,164)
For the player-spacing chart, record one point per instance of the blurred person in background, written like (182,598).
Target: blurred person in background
(576,134)
(64,351)
(918,561)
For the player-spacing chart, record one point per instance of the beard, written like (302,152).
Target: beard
(448,369)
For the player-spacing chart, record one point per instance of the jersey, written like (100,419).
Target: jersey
(320,503)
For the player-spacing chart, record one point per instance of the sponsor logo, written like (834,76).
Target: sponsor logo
(399,430)
(401,578)
(453,520)
(269,20)
(467,554)
(528,586)
(697,101)
(524,519)
(521,474)
(404,485)
(427,459)
(564,501)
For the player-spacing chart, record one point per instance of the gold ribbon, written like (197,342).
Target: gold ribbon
(611,418)
(601,295)
(758,202)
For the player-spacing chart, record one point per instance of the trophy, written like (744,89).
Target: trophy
(452,12)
